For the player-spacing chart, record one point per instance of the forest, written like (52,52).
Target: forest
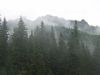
(47,51)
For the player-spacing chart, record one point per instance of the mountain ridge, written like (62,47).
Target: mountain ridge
(56,21)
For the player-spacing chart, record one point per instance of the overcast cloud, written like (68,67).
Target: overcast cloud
(68,9)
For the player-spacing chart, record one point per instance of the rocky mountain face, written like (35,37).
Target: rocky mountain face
(56,21)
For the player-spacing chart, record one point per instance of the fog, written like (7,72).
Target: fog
(69,9)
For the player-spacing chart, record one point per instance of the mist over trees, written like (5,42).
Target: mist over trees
(47,51)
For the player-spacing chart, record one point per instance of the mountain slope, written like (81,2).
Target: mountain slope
(56,21)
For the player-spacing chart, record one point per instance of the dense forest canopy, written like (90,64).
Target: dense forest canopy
(52,50)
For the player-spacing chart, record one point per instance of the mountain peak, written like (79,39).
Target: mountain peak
(84,22)
(51,20)
(56,21)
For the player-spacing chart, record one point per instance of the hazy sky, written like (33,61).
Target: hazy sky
(69,9)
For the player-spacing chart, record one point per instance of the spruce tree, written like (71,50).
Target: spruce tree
(79,59)
(3,45)
(41,50)
(96,56)
(31,55)
(61,54)
(73,67)
(20,49)
(53,51)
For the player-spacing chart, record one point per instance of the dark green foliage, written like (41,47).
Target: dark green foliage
(20,49)
(78,55)
(52,51)
(73,53)
(96,56)
(3,46)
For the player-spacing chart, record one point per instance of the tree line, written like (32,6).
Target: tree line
(41,53)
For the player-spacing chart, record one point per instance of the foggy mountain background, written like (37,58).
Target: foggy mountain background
(58,24)
(49,45)
(56,21)
(65,42)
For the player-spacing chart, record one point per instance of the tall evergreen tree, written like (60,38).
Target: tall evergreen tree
(20,48)
(5,41)
(1,41)
(96,56)
(73,56)
(32,55)
(5,33)
(61,54)
(53,51)
(3,44)
(78,55)
(41,50)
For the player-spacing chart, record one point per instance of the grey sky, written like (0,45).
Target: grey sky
(69,9)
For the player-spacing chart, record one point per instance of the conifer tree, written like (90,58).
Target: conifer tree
(73,56)
(20,49)
(96,56)
(41,50)
(3,45)
(79,59)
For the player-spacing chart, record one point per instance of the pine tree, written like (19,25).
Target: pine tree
(96,56)
(73,67)
(32,55)
(53,51)
(61,54)
(20,48)
(31,44)
(85,60)
(41,50)
(5,32)
(3,45)
(79,59)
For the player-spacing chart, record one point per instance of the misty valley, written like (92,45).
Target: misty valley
(49,45)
